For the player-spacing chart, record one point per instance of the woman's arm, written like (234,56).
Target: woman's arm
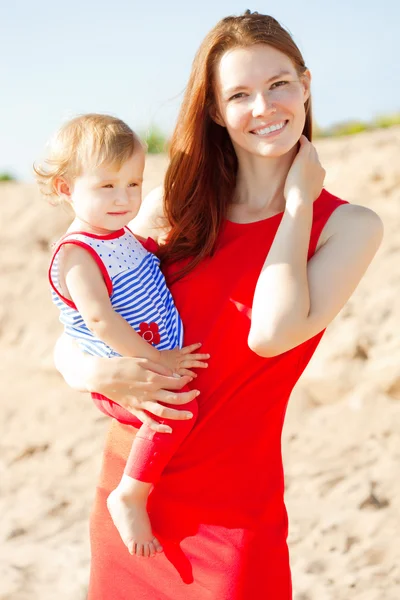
(150,220)
(137,384)
(76,367)
(294,300)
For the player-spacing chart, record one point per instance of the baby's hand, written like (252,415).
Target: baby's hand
(181,360)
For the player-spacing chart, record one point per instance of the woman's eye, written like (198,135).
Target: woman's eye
(237,96)
(133,184)
(279,84)
(108,185)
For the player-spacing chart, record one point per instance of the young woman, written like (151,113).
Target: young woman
(259,259)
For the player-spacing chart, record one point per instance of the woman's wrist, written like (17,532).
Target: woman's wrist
(298,203)
(99,373)
(94,373)
(75,366)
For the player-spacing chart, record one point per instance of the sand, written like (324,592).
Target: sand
(341,438)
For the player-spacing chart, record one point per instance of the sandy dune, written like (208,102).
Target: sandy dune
(341,440)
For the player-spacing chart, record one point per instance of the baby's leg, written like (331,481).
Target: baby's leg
(150,453)
(127,503)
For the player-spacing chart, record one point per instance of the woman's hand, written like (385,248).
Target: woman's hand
(306,175)
(137,384)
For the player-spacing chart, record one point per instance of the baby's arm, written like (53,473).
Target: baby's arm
(86,287)
(88,291)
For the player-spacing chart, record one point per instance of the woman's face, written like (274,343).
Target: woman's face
(260,100)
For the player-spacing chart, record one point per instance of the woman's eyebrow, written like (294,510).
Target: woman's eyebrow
(280,74)
(240,87)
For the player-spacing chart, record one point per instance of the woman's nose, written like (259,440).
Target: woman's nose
(261,105)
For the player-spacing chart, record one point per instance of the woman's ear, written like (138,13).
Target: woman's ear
(306,81)
(63,189)
(216,117)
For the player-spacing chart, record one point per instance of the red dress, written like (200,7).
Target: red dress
(218,508)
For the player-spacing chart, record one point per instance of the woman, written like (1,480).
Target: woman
(259,261)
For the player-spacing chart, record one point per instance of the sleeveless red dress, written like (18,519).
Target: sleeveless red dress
(218,508)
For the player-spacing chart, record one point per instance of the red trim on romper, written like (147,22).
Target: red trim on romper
(95,257)
(150,245)
(108,236)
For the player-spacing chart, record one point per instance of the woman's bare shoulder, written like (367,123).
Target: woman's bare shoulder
(362,222)
(150,220)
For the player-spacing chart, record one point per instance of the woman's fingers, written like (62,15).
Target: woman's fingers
(143,375)
(142,387)
(151,423)
(305,177)
(163,412)
(155,367)
(155,383)
(168,383)
(175,398)
(304,141)
(187,372)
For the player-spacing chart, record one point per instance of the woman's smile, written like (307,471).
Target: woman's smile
(269,130)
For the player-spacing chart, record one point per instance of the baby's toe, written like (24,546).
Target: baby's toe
(152,549)
(157,545)
(131,547)
(146,550)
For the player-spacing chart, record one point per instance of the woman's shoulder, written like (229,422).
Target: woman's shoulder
(349,217)
(150,222)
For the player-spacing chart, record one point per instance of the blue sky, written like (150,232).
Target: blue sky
(132,59)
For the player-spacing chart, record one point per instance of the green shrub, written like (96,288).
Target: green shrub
(353,127)
(6,177)
(155,139)
(318,132)
(384,121)
(349,128)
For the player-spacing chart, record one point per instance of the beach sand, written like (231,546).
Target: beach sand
(341,438)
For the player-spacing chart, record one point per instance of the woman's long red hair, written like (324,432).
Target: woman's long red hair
(201,177)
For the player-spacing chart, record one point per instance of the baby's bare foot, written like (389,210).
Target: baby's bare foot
(132,521)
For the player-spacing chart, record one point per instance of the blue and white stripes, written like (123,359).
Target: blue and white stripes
(139,292)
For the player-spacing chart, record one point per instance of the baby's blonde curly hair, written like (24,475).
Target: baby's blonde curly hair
(89,140)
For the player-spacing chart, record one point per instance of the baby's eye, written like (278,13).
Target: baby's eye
(133,184)
(108,185)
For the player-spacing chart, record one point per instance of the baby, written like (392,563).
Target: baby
(112,295)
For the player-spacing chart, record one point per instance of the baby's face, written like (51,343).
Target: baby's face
(105,198)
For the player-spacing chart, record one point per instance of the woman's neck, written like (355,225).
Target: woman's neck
(259,186)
